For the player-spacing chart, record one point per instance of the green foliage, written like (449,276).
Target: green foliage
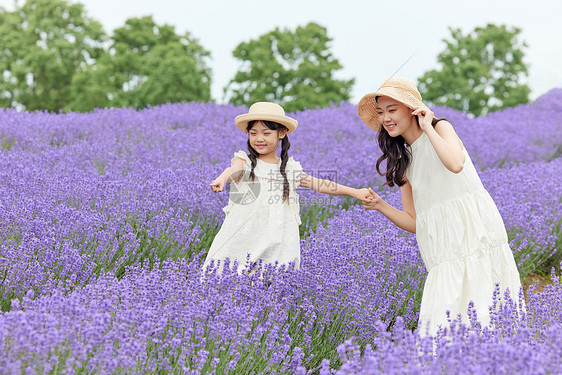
(54,57)
(292,68)
(6,143)
(147,64)
(555,259)
(532,258)
(44,44)
(480,72)
(316,214)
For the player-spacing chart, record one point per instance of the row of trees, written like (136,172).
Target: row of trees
(54,57)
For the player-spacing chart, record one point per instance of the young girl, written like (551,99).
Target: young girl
(262,217)
(460,233)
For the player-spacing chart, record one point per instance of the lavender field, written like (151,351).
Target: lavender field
(105,219)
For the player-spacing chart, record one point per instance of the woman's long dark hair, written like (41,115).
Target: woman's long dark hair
(397,156)
(285,145)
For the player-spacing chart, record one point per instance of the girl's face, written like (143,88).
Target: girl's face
(264,140)
(394,116)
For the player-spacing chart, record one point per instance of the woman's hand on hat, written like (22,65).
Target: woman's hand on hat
(217,185)
(425,116)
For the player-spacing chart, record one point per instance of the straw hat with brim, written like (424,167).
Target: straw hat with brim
(266,111)
(400,89)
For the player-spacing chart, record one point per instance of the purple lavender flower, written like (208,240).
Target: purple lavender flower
(105,217)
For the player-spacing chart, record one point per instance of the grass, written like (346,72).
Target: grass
(6,143)
(532,259)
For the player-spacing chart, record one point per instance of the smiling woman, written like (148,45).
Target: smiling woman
(460,233)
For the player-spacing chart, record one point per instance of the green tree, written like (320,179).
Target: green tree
(480,72)
(292,68)
(146,64)
(43,44)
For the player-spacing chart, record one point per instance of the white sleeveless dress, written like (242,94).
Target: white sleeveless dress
(461,237)
(258,224)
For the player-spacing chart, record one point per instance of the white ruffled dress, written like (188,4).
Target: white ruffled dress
(461,237)
(258,224)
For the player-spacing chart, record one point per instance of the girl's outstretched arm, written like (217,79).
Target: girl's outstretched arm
(232,173)
(444,139)
(405,219)
(330,187)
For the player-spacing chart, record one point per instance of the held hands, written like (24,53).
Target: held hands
(217,185)
(373,201)
(363,194)
(425,116)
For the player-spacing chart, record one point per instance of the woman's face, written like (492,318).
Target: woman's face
(394,116)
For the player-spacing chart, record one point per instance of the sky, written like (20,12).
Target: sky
(371,39)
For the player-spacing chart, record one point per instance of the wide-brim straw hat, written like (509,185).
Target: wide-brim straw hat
(266,111)
(400,89)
